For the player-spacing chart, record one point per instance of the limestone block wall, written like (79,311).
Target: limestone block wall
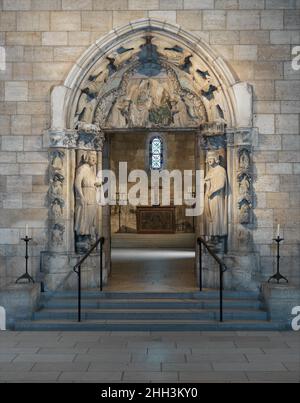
(42,40)
(133,148)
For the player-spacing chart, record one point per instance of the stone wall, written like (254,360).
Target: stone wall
(44,38)
(133,148)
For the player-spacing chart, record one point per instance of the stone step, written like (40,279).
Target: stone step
(150,311)
(155,295)
(157,325)
(147,314)
(147,241)
(150,304)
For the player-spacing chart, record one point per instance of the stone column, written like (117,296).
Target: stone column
(242,261)
(240,144)
(106,216)
(61,257)
(199,165)
(56,261)
(231,175)
(61,200)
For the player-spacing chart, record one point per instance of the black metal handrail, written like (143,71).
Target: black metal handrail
(77,270)
(222,268)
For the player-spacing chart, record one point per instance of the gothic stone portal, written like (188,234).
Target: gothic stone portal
(153,81)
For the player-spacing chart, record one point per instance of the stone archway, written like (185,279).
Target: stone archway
(150,75)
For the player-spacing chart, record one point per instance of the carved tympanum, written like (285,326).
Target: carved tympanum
(245,212)
(152,82)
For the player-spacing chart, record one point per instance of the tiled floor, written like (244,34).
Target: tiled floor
(150,357)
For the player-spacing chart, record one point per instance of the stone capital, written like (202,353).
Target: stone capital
(63,138)
(86,137)
(90,137)
(245,137)
(212,129)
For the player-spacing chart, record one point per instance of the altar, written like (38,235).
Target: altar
(156,220)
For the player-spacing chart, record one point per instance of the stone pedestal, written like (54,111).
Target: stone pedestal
(19,301)
(241,273)
(59,275)
(279,300)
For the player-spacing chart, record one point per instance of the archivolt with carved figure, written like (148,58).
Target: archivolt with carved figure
(150,83)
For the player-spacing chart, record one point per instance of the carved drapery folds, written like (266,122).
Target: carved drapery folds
(86,207)
(212,138)
(83,145)
(215,196)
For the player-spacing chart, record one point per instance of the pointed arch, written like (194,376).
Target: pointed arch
(235,96)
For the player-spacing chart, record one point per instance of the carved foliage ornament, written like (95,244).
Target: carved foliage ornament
(90,137)
(212,137)
(86,136)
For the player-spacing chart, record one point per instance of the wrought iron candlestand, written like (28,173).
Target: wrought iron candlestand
(277,276)
(26,276)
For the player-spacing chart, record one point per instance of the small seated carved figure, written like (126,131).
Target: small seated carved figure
(56,187)
(57,208)
(244,185)
(57,234)
(244,160)
(245,211)
(57,161)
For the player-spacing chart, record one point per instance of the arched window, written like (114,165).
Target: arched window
(156,153)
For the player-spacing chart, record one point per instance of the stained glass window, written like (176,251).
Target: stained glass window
(156,153)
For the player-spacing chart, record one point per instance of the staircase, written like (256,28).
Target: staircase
(149,311)
(169,241)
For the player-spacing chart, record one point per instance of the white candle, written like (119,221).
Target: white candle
(26,230)
(278,230)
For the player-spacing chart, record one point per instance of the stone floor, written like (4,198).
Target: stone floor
(140,269)
(150,357)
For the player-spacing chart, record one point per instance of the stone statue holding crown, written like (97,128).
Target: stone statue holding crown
(215,197)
